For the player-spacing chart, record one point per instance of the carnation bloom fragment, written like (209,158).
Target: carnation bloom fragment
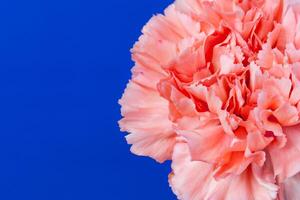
(216,90)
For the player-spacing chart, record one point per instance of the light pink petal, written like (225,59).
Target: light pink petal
(297,36)
(284,86)
(189,7)
(223,61)
(268,121)
(257,141)
(189,180)
(256,182)
(192,180)
(213,101)
(286,160)
(173,26)
(290,188)
(189,61)
(295,94)
(238,163)
(265,57)
(228,123)
(180,105)
(208,144)
(181,24)
(150,49)
(293,53)
(296,70)
(286,115)
(289,25)
(145,76)
(146,119)
(255,77)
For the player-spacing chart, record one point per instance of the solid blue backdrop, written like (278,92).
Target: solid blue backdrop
(63,66)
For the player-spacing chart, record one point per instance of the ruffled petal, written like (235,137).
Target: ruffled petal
(189,180)
(193,180)
(145,117)
(290,188)
(286,160)
(208,144)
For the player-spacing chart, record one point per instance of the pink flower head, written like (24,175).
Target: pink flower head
(216,89)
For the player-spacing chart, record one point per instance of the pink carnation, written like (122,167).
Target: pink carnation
(216,89)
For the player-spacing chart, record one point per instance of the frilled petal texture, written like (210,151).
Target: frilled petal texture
(216,90)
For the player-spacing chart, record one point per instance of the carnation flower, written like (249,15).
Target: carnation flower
(216,90)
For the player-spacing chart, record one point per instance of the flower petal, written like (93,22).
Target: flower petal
(286,160)
(289,189)
(146,119)
(192,180)
(208,144)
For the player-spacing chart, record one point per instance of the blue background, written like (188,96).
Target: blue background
(63,66)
